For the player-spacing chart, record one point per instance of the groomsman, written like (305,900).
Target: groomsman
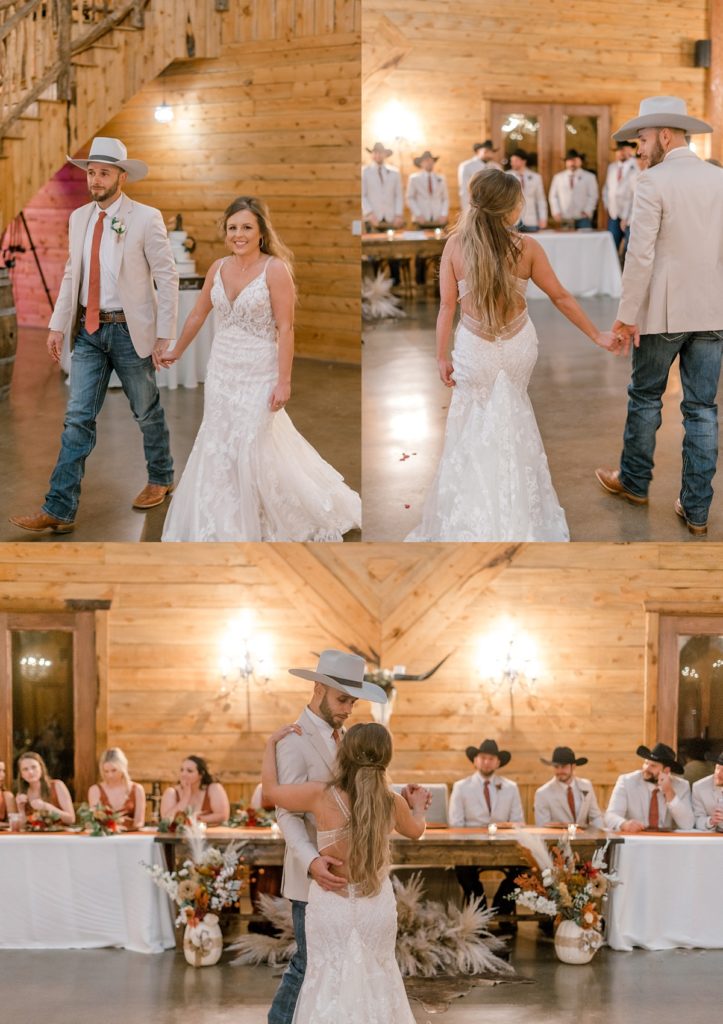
(427,196)
(574,192)
(651,798)
(117,307)
(483,160)
(566,798)
(382,201)
(534,214)
(671,305)
(481,799)
(617,189)
(708,800)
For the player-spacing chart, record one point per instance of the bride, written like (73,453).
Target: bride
(493,482)
(251,476)
(351,969)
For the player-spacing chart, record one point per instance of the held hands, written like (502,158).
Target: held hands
(54,345)
(279,397)
(446,369)
(161,357)
(418,797)
(319,871)
(628,333)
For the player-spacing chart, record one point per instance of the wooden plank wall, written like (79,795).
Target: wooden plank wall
(583,606)
(445,62)
(277,115)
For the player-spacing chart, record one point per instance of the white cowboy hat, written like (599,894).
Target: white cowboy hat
(662,112)
(112,151)
(344,672)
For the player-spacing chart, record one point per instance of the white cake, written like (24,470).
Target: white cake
(186,265)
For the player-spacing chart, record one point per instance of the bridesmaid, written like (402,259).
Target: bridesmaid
(117,792)
(38,792)
(196,791)
(7,800)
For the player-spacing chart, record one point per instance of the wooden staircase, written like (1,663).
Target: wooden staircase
(68,66)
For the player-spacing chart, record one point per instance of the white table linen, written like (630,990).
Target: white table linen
(585,262)
(81,892)
(190,370)
(671,894)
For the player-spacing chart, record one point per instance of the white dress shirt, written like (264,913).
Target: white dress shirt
(533,191)
(427,197)
(382,192)
(323,728)
(573,195)
(111,251)
(466,171)
(617,190)
(467,805)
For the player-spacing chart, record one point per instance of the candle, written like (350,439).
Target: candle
(275,830)
(492,829)
(390,233)
(437,232)
(572,830)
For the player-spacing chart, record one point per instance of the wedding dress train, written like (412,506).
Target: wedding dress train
(352,974)
(493,481)
(251,476)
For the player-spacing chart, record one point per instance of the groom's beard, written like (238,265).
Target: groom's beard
(335,721)
(657,154)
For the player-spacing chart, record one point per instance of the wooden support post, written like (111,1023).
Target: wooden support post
(714,95)
(65,20)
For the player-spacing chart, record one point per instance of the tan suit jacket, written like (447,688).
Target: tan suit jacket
(673,277)
(551,804)
(146,258)
(305,758)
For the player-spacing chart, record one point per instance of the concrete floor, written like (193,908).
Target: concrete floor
(325,408)
(580,398)
(78,986)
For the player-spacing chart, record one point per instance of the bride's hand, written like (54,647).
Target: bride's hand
(279,397)
(285,730)
(446,369)
(613,342)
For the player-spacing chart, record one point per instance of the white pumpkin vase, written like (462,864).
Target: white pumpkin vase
(203,943)
(570,946)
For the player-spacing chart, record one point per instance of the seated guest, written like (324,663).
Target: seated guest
(692,756)
(483,160)
(574,193)
(651,798)
(427,196)
(481,799)
(38,792)
(534,212)
(196,792)
(117,792)
(708,800)
(567,799)
(7,800)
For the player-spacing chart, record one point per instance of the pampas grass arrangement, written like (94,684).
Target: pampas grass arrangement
(378,303)
(432,939)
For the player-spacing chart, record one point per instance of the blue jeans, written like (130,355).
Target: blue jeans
(528,229)
(700,363)
(616,231)
(583,222)
(284,1004)
(95,356)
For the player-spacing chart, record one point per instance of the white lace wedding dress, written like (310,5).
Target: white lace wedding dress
(251,476)
(493,481)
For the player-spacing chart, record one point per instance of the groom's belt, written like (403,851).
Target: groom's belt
(108,316)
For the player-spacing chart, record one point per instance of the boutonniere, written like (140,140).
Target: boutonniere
(498,785)
(585,792)
(118,226)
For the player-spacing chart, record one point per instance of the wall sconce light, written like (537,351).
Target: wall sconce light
(163,113)
(245,658)
(507,661)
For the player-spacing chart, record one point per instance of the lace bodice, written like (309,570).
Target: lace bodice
(250,311)
(328,837)
(485,330)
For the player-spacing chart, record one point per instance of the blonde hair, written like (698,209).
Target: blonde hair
(362,760)
(490,249)
(114,755)
(270,242)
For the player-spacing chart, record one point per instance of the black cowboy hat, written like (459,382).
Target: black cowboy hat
(624,145)
(714,758)
(487,144)
(489,747)
(661,754)
(418,159)
(563,755)
(572,154)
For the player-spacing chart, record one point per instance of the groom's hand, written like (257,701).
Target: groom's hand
(159,352)
(319,871)
(628,332)
(55,345)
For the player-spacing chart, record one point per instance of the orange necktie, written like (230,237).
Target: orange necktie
(92,312)
(429,183)
(336,736)
(654,813)
(571,802)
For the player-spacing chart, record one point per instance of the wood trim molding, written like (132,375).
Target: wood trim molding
(662,721)
(714,92)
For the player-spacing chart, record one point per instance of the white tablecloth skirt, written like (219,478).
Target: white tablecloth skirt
(78,892)
(671,893)
(585,262)
(190,370)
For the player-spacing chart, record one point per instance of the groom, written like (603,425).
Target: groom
(338,684)
(672,305)
(114,319)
